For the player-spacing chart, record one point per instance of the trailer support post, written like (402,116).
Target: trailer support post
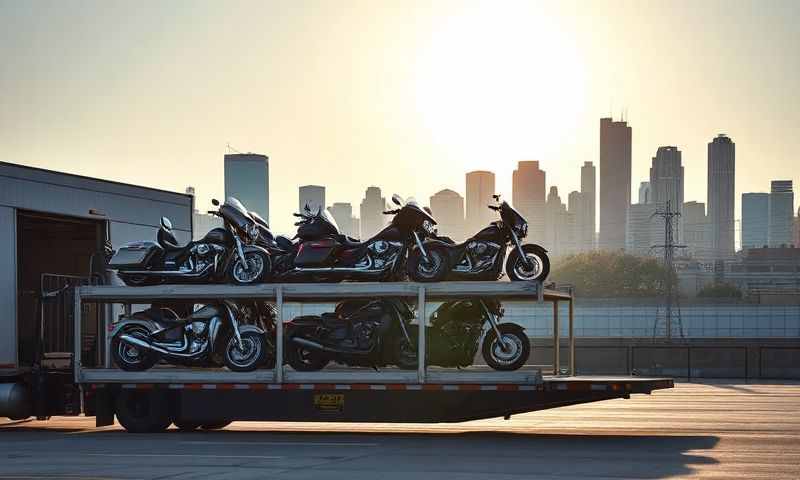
(278,375)
(571,335)
(76,324)
(421,319)
(556,340)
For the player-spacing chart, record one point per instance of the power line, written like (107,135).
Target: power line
(672,307)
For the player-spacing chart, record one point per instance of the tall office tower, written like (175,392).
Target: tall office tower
(796,230)
(666,183)
(643,230)
(480,188)
(588,226)
(372,207)
(721,194)
(755,220)
(247,179)
(528,195)
(342,212)
(615,182)
(696,230)
(645,194)
(576,207)
(448,210)
(781,213)
(313,196)
(560,223)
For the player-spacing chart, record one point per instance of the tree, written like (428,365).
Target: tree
(720,290)
(611,274)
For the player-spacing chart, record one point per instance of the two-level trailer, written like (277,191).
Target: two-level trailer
(152,400)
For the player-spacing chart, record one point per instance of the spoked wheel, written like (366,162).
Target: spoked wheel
(254,269)
(304,359)
(249,355)
(534,266)
(133,358)
(432,268)
(510,352)
(142,411)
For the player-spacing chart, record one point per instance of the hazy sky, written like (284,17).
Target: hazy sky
(407,96)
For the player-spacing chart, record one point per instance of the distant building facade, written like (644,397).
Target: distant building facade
(645,195)
(755,220)
(201,222)
(781,213)
(448,210)
(342,212)
(480,188)
(643,229)
(371,212)
(615,182)
(528,195)
(796,234)
(666,183)
(312,196)
(247,179)
(721,194)
(560,231)
(588,224)
(696,231)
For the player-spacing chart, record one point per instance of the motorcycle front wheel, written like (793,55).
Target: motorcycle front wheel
(249,356)
(132,358)
(431,269)
(257,268)
(534,266)
(509,354)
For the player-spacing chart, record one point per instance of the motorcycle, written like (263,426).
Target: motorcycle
(481,256)
(459,328)
(357,333)
(224,254)
(213,335)
(323,254)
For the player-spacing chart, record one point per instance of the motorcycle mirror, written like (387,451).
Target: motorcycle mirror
(166,224)
(496,197)
(397,200)
(215,202)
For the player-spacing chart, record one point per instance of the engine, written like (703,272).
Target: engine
(197,333)
(203,255)
(482,254)
(384,253)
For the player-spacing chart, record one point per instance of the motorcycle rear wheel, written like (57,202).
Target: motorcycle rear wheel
(304,359)
(131,358)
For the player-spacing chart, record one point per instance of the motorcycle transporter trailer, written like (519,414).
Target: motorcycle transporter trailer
(151,400)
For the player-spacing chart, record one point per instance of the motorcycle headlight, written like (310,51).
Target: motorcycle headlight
(428,226)
(523,229)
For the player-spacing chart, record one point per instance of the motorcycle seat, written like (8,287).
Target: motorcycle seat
(332,320)
(349,242)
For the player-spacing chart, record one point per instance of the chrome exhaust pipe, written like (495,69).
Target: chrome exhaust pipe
(318,346)
(137,342)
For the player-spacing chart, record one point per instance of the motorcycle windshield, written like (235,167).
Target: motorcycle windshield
(234,213)
(325,214)
(414,206)
(510,216)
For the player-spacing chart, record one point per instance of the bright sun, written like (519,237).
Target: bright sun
(500,81)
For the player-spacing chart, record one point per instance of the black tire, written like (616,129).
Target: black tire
(218,425)
(499,359)
(304,359)
(186,426)
(255,259)
(130,358)
(405,355)
(518,271)
(250,357)
(432,269)
(143,411)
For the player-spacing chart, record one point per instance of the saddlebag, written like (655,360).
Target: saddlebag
(134,255)
(316,253)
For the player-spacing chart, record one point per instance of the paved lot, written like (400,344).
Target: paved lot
(707,431)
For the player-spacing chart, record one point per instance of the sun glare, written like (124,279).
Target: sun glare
(500,83)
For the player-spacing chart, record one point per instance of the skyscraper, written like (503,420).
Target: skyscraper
(448,210)
(313,196)
(576,208)
(696,230)
(528,196)
(644,230)
(247,179)
(342,212)
(781,213)
(372,207)
(615,182)
(480,188)
(666,182)
(588,225)
(755,220)
(645,195)
(721,194)
(559,236)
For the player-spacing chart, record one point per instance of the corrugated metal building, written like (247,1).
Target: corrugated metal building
(56,223)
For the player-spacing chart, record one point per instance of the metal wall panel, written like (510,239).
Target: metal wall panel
(8,287)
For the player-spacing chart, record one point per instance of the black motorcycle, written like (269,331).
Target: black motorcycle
(481,256)
(323,254)
(213,335)
(358,333)
(224,254)
(458,328)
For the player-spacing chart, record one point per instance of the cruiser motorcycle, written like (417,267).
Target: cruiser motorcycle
(459,328)
(322,254)
(481,256)
(224,254)
(213,335)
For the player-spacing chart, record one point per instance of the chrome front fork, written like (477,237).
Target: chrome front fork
(240,252)
(521,252)
(495,327)
(419,245)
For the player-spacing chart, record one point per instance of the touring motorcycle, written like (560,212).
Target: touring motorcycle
(213,335)
(224,254)
(481,256)
(323,254)
(459,328)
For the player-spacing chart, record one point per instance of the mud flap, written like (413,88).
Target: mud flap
(104,407)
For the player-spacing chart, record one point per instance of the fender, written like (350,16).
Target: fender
(150,325)
(251,328)
(513,326)
(538,248)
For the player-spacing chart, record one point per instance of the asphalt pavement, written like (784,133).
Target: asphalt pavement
(691,431)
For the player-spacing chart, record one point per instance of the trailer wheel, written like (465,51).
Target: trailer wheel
(512,353)
(186,426)
(219,425)
(143,411)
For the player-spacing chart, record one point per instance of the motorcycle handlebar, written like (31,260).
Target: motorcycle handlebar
(390,212)
(492,207)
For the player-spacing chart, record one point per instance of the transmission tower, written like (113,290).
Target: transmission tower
(671,299)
